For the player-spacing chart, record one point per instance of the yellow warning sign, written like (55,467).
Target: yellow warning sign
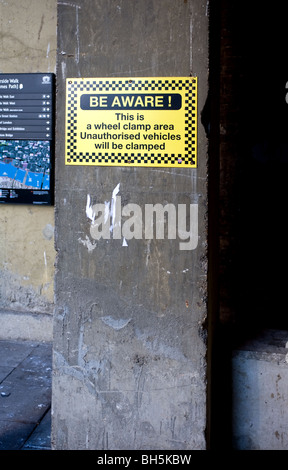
(132,121)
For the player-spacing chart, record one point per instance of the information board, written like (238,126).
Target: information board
(132,121)
(26,138)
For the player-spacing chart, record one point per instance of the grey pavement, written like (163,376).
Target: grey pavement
(25,395)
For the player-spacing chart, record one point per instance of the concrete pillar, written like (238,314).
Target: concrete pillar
(130,333)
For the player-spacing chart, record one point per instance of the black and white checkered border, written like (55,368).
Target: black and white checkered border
(130,85)
(127,158)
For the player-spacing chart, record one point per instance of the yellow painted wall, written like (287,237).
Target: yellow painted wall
(27,255)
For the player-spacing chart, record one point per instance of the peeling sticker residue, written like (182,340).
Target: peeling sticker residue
(113,206)
(107,211)
(89,210)
(87,242)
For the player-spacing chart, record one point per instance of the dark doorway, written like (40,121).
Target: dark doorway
(253,154)
(253,166)
(262,181)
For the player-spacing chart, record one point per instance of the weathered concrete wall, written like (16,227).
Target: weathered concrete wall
(27,255)
(260,398)
(129,326)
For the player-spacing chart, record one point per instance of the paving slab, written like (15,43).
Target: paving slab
(25,395)
(12,353)
(4,372)
(40,439)
(13,434)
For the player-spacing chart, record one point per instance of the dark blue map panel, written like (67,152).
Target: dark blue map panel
(26,138)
